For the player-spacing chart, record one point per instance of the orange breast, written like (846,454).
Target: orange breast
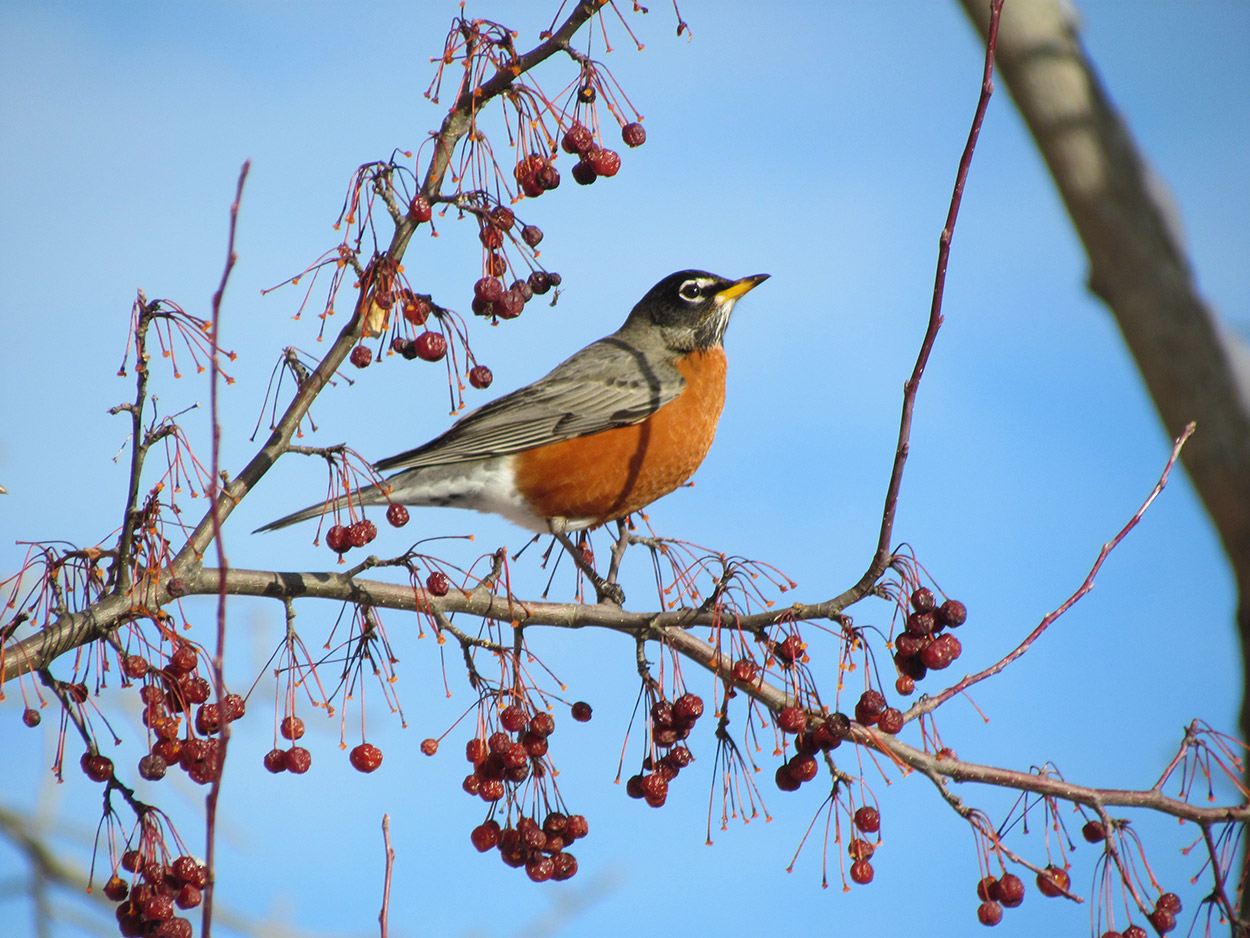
(608,475)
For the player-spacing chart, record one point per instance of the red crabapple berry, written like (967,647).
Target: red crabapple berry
(96,767)
(634,135)
(491,237)
(605,162)
(338,539)
(420,209)
(362,532)
(952,613)
(31,717)
(1093,832)
(291,727)
(1009,890)
(437,583)
(397,515)
(298,760)
(803,768)
(577,139)
(785,781)
(687,708)
(923,600)
(544,724)
(502,217)
(655,789)
(1170,901)
(532,235)
(480,377)
(744,670)
(183,660)
(584,173)
(361,356)
(512,718)
(869,707)
(275,761)
(431,346)
(135,666)
(115,889)
(868,819)
(365,758)
(791,720)
(1053,881)
(152,767)
(859,849)
(905,685)
(985,887)
(861,872)
(489,289)
(485,835)
(539,281)
(509,305)
(581,711)
(1162,920)
(989,913)
(890,721)
(1134,931)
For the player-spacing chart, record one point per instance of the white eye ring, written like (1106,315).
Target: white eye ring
(691,290)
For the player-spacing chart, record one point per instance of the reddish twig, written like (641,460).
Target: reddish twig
(384,915)
(931,703)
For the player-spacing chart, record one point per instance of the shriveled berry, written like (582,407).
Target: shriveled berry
(134,666)
(634,135)
(923,600)
(1134,931)
(365,758)
(539,281)
(361,356)
(890,721)
(1009,890)
(952,613)
(488,288)
(791,720)
(744,670)
(31,717)
(176,586)
(437,583)
(581,711)
(1053,881)
(491,237)
(860,849)
(655,789)
(577,139)
(544,724)
(397,515)
(189,896)
(803,768)
(1170,901)
(989,913)
(512,718)
(861,872)
(420,209)
(905,685)
(153,767)
(291,727)
(532,235)
(496,265)
(869,707)
(338,539)
(362,532)
(540,869)
(298,760)
(1162,920)
(485,835)
(687,708)
(480,377)
(510,305)
(868,819)
(275,761)
(431,346)
(605,162)
(183,660)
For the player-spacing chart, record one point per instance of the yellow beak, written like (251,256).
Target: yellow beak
(741,287)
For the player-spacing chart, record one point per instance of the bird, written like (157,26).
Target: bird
(614,427)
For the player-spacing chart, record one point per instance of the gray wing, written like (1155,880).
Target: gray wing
(610,383)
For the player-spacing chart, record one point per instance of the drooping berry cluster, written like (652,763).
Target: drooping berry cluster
(925,645)
(670,723)
(811,737)
(170,695)
(1007,892)
(539,848)
(147,905)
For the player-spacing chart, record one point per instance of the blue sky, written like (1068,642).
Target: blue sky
(815,142)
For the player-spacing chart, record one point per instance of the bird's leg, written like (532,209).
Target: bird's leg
(604,590)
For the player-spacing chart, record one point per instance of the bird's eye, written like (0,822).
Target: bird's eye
(690,290)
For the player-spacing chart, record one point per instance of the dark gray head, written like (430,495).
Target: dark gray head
(691,308)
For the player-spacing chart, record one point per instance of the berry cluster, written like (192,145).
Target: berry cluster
(1007,892)
(146,906)
(341,538)
(169,694)
(670,723)
(924,645)
(810,738)
(540,848)
(508,755)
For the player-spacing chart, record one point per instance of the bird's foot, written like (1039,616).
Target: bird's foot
(605,590)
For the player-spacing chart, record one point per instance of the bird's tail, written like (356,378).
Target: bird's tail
(372,495)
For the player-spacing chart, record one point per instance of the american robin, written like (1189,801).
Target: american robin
(617,425)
